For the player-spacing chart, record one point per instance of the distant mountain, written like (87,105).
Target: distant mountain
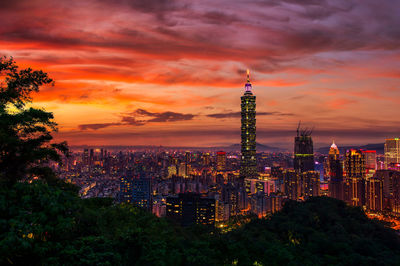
(233,147)
(378,147)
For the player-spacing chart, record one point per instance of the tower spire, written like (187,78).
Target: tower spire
(248,84)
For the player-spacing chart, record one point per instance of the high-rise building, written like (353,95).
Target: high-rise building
(221,161)
(190,208)
(311,184)
(370,160)
(206,159)
(125,189)
(392,152)
(335,173)
(374,194)
(292,184)
(303,151)
(248,163)
(141,192)
(355,174)
(85,157)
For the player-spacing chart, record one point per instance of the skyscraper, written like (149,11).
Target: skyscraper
(221,161)
(248,164)
(303,151)
(335,173)
(392,152)
(355,175)
(141,192)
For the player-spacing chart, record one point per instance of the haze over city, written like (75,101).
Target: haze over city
(172,72)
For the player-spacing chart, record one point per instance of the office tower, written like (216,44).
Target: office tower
(374,194)
(292,184)
(91,157)
(391,189)
(206,159)
(188,157)
(311,184)
(303,151)
(370,160)
(125,189)
(221,161)
(248,163)
(85,157)
(189,209)
(355,175)
(230,196)
(333,155)
(335,173)
(141,192)
(172,170)
(392,152)
(395,199)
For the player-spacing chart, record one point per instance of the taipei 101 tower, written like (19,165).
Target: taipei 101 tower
(248,163)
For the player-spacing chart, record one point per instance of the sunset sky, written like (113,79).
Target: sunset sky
(158,72)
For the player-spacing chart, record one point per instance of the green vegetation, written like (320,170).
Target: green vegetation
(44,222)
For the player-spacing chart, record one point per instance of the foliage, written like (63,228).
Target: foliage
(45,225)
(25,132)
(320,231)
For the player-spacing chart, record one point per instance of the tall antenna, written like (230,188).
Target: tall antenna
(298,128)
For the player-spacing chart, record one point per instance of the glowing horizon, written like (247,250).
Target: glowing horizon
(172,72)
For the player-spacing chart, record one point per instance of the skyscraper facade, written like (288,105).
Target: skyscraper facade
(221,161)
(303,151)
(392,152)
(355,177)
(335,173)
(248,166)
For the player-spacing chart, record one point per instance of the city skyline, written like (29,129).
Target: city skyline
(171,73)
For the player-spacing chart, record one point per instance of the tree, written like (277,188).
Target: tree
(25,132)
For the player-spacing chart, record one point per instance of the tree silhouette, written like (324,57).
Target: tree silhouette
(25,132)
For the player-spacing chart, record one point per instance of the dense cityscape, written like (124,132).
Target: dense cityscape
(218,133)
(211,187)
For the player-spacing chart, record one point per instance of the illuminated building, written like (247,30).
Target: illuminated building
(370,160)
(141,192)
(391,188)
(206,159)
(221,161)
(374,194)
(255,185)
(355,175)
(392,152)
(231,196)
(303,151)
(395,200)
(292,184)
(189,209)
(311,184)
(335,173)
(85,157)
(125,189)
(188,157)
(248,163)
(172,170)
